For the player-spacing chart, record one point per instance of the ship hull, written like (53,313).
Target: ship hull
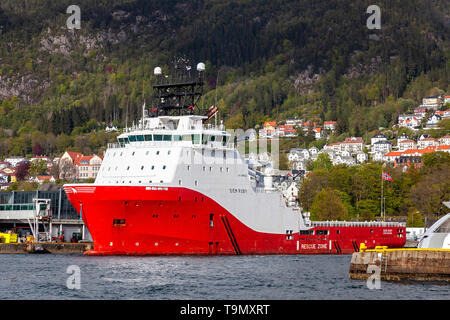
(136,220)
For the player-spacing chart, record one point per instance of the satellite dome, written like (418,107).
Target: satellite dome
(201,66)
(157,71)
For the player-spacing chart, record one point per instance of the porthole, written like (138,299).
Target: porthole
(164,167)
(132,153)
(153,167)
(142,168)
(157,152)
(128,168)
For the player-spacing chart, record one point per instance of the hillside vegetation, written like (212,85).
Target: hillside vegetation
(268,59)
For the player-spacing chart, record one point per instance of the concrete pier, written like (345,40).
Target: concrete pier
(402,264)
(45,247)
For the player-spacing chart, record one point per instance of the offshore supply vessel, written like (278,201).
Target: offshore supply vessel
(174,184)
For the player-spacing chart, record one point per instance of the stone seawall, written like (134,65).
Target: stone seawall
(420,265)
(45,247)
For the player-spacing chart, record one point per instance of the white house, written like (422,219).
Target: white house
(434,119)
(406,144)
(313,150)
(376,138)
(15,160)
(444,141)
(427,142)
(382,146)
(410,123)
(378,156)
(330,125)
(362,157)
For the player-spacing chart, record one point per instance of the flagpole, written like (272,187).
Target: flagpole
(381,204)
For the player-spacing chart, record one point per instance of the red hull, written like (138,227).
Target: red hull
(132,220)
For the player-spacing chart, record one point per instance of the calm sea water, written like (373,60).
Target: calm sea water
(38,277)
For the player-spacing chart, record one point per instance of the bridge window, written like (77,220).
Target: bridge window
(306,232)
(157,137)
(148,137)
(195,138)
(177,138)
(167,137)
(322,232)
(132,138)
(140,138)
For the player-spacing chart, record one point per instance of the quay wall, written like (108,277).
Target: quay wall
(45,247)
(402,264)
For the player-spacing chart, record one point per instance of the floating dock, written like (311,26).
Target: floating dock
(402,264)
(45,247)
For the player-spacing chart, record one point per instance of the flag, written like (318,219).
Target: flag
(191,107)
(386,176)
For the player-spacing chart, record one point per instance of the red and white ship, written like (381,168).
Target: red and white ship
(175,185)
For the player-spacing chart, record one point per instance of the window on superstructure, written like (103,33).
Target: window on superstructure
(187,137)
(205,139)
(167,137)
(128,168)
(140,138)
(213,138)
(132,138)
(142,167)
(225,140)
(177,138)
(164,167)
(157,137)
(148,137)
(195,138)
(157,152)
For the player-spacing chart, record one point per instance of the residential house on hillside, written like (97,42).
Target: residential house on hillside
(286,130)
(4,164)
(362,157)
(432,102)
(427,142)
(14,161)
(406,144)
(392,156)
(67,165)
(317,133)
(353,144)
(9,173)
(268,130)
(88,166)
(330,125)
(376,138)
(444,141)
(433,120)
(411,123)
(382,146)
(42,179)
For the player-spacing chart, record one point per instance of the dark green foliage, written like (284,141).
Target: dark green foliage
(254,50)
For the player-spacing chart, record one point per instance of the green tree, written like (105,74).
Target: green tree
(327,205)
(323,161)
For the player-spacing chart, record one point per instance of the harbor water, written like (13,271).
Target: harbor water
(49,277)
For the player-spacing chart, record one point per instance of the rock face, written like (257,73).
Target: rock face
(21,86)
(305,81)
